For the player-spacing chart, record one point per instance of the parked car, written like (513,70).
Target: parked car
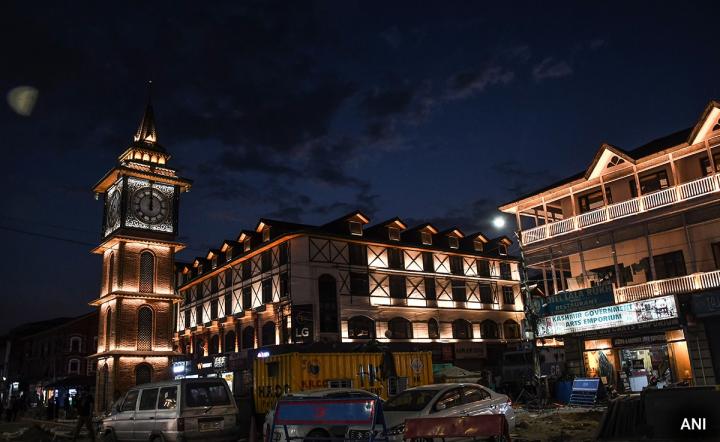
(310,432)
(440,400)
(176,410)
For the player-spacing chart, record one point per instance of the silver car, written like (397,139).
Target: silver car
(441,400)
(309,433)
(176,410)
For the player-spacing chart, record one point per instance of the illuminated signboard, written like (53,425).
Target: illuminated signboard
(637,312)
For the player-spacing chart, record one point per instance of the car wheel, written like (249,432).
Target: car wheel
(158,438)
(317,435)
(108,436)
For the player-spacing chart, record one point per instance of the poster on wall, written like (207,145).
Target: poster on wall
(302,323)
(637,312)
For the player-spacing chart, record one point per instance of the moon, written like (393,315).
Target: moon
(22,99)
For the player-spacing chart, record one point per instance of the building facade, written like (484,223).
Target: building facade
(137,297)
(345,282)
(629,252)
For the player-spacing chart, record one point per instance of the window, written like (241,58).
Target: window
(359,284)
(396,385)
(397,287)
(284,285)
(168,398)
(462,329)
(246,270)
(147,272)
(483,268)
(199,348)
(267,291)
(327,295)
(228,304)
(108,327)
(358,254)
(456,265)
(395,258)
(266,261)
(449,399)
(148,399)
(393,234)
(478,245)
(511,329)
(591,201)
(706,167)
(433,329)
(228,254)
(248,337)
(502,249)
(489,330)
(340,383)
(471,395)
(430,289)
(111,270)
(669,265)
(214,309)
(283,258)
(650,183)
(130,400)
(205,394)
(428,262)
(458,291)
(355,228)
(212,265)
(145,326)
(268,334)
(143,374)
(199,269)
(266,234)
(214,284)
(505,271)
(74,366)
(198,315)
(246,245)
(508,295)
(214,349)
(361,327)
(75,342)
(229,342)
(486,293)
(426,238)
(453,242)
(187,318)
(400,328)
(614,161)
(716,253)
(247,297)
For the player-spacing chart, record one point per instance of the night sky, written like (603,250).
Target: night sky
(304,111)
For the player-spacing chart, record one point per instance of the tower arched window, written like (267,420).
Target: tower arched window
(229,342)
(108,328)
(327,293)
(111,270)
(433,329)
(361,327)
(268,334)
(145,327)
(489,329)
(248,338)
(147,272)
(143,374)
(400,328)
(462,329)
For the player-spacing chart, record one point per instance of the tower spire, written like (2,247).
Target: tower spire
(146,134)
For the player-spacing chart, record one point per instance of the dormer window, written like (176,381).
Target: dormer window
(355,228)
(426,238)
(246,245)
(394,234)
(478,245)
(266,234)
(228,254)
(453,242)
(214,261)
(200,269)
(502,249)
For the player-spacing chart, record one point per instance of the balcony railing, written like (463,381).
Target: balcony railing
(672,286)
(662,198)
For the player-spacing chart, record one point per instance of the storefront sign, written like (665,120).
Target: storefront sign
(637,312)
(470,350)
(639,340)
(302,323)
(219,362)
(705,304)
(576,300)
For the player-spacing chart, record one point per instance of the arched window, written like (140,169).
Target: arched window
(75,342)
(248,338)
(489,329)
(433,329)
(74,366)
(108,328)
(214,345)
(462,329)
(143,374)
(147,272)
(361,327)
(145,327)
(511,329)
(400,328)
(199,348)
(229,342)
(111,270)
(268,334)
(614,161)
(327,293)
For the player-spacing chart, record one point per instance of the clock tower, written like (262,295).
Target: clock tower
(137,299)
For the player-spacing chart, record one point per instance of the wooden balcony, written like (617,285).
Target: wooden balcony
(641,204)
(672,286)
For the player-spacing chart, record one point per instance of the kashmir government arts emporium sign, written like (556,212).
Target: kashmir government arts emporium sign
(637,312)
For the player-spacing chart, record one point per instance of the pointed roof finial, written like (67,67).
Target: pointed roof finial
(146,135)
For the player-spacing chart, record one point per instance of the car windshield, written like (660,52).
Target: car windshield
(410,400)
(203,394)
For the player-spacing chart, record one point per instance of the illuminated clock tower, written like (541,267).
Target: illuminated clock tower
(137,296)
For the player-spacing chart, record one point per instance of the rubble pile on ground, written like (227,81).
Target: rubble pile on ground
(558,424)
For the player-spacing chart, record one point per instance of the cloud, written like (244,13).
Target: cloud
(385,102)
(518,179)
(550,68)
(470,82)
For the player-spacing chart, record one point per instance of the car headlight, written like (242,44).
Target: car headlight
(396,430)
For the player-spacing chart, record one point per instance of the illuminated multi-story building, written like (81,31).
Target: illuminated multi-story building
(630,250)
(137,297)
(344,282)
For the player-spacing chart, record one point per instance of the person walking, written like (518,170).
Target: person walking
(84,411)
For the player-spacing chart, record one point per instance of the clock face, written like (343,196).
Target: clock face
(150,206)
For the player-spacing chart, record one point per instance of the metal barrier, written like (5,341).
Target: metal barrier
(470,427)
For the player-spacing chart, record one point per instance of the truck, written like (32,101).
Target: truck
(382,373)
